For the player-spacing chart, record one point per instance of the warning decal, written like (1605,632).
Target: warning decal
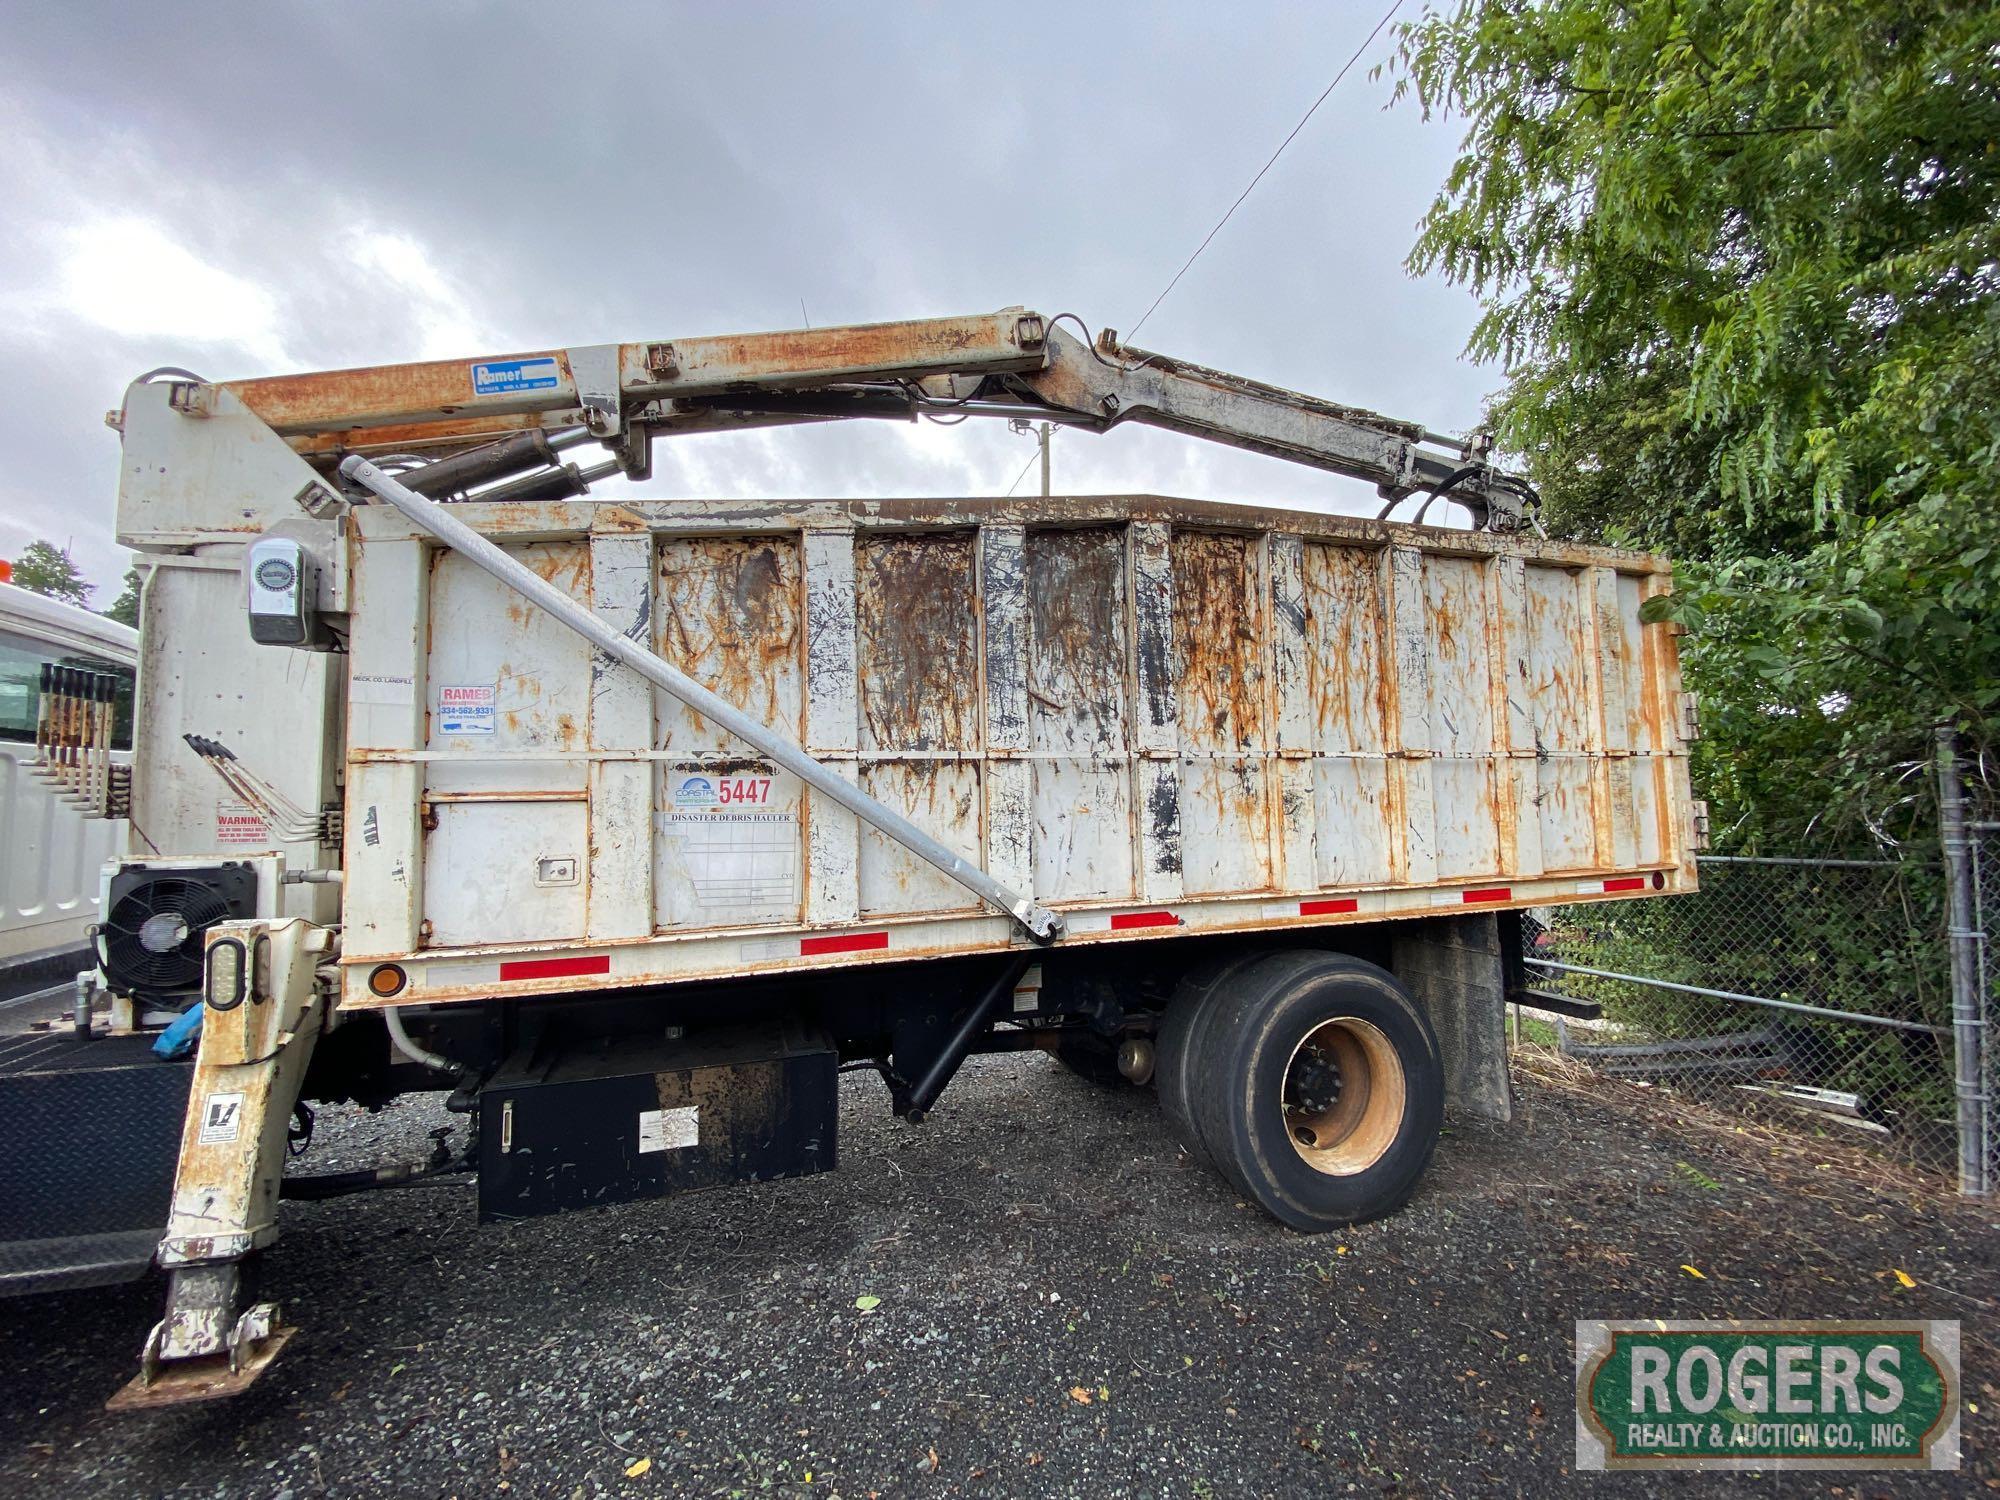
(221,1119)
(239,823)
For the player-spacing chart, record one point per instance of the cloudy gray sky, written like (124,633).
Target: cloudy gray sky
(244,189)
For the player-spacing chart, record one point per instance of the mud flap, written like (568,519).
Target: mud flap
(1456,968)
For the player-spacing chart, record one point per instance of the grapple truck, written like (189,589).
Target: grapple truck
(631,823)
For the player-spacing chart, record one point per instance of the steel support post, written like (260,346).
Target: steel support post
(1968,1010)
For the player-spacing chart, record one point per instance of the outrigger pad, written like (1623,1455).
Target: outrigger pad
(211,1379)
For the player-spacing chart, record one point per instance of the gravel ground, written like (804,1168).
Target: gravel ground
(1068,1306)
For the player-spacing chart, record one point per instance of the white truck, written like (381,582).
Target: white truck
(632,822)
(49,882)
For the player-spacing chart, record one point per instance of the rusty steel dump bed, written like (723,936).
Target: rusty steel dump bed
(1155,716)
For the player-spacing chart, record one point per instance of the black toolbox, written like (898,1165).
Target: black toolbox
(571,1124)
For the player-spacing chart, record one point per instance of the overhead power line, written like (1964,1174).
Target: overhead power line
(1024,470)
(1366,43)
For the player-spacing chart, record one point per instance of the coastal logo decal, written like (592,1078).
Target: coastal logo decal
(1805,1395)
(695,791)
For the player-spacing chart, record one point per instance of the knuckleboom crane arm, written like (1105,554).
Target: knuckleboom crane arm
(1012,363)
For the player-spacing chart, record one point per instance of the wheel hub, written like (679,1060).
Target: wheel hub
(1314,1084)
(1343,1096)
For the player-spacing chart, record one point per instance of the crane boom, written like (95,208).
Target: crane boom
(1013,363)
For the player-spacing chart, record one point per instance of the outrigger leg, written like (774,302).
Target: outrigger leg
(265,1010)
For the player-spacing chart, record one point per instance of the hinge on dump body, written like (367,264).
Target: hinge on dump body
(1698,815)
(191,398)
(1690,724)
(319,502)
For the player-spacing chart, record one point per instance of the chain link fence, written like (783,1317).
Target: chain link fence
(1811,994)
(1850,999)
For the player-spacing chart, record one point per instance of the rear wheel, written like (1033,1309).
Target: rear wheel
(1314,1083)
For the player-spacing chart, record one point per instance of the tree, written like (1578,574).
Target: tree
(125,608)
(1742,258)
(42,569)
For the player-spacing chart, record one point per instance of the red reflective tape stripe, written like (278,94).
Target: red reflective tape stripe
(554,968)
(1328,908)
(855,942)
(1126,919)
(1626,883)
(1493,893)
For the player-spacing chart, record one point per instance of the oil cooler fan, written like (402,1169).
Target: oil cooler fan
(156,920)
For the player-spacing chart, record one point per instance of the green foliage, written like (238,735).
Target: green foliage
(1743,260)
(42,569)
(125,608)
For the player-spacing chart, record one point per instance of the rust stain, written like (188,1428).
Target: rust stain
(1087,510)
(1552,666)
(921,691)
(367,397)
(567,567)
(1077,682)
(917,640)
(1456,612)
(773,356)
(939,796)
(1663,675)
(612,517)
(729,616)
(1222,699)
(1217,655)
(474,619)
(438,439)
(1347,629)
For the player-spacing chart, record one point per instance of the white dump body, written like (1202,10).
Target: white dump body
(1155,716)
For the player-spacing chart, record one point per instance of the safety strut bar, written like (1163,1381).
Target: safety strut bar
(1041,924)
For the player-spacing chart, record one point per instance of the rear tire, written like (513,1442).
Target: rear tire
(1180,1046)
(1315,1085)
